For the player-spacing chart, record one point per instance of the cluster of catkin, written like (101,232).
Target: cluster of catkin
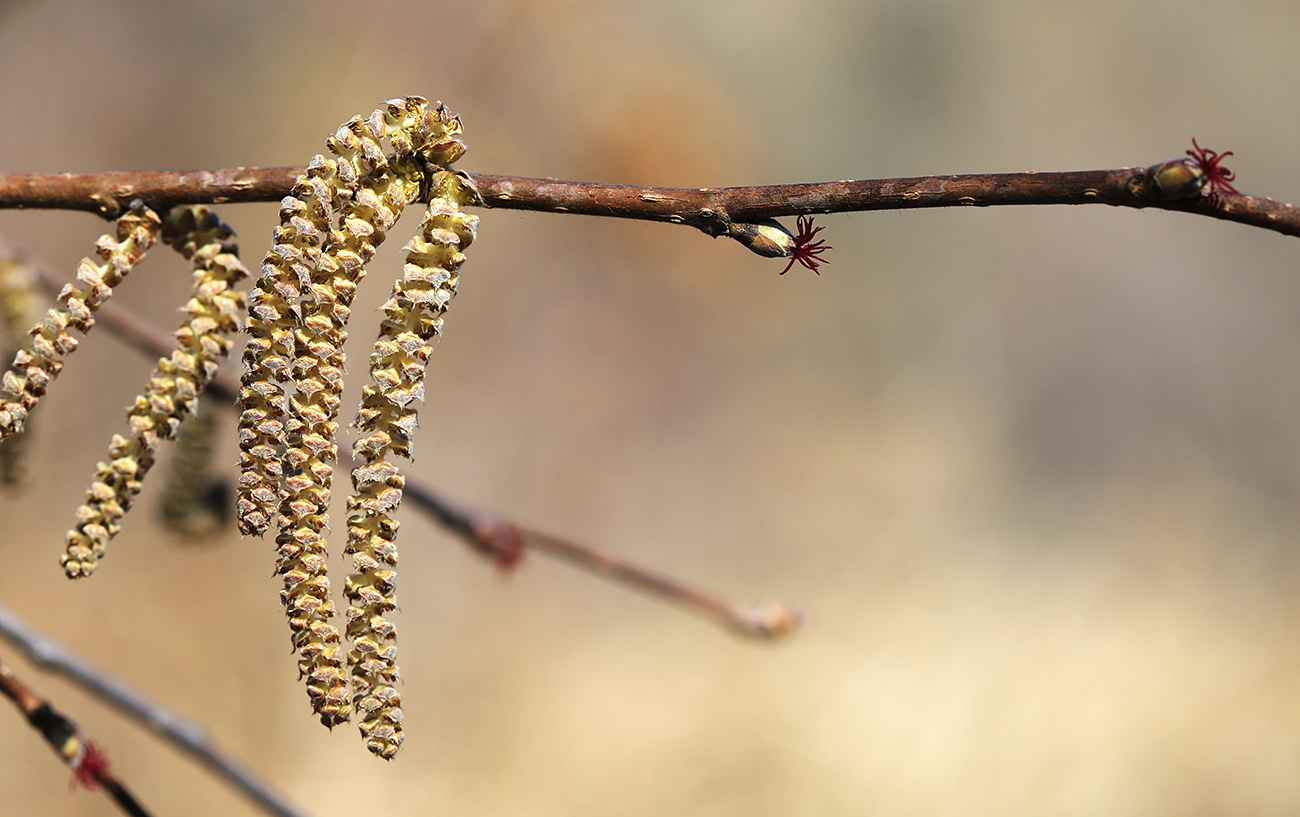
(212,315)
(340,210)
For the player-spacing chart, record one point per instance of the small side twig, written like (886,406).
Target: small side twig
(501,540)
(505,543)
(185,735)
(89,765)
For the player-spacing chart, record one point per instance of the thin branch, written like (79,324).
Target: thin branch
(185,735)
(493,536)
(88,763)
(709,209)
(505,543)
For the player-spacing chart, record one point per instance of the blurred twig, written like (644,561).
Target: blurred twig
(501,540)
(505,543)
(185,735)
(88,763)
(709,209)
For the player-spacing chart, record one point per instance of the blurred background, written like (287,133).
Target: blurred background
(1033,473)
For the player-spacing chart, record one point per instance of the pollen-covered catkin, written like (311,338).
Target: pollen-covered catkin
(387,417)
(35,367)
(292,459)
(18,300)
(273,312)
(203,339)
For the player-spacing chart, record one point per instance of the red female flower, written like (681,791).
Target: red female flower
(806,251)
(1218,177)
(90,766)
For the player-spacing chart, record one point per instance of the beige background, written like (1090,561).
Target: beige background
(1033,472)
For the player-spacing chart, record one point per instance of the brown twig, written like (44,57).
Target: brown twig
(185,735)
(709,209)
(87,761)
(499,539)
(505,543)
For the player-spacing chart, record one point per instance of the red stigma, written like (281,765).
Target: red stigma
(90,767)
(806,251)
(1218,178)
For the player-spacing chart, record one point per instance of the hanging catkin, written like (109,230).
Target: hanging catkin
(340,211)
(387,417)
(36,366)
(18,310)
(203,340)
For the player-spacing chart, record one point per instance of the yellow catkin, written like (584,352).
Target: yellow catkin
(194,503)
(212,315)
(18,303)
(36,366)
(294,367)
(273,304)
(300,261)
(387,417)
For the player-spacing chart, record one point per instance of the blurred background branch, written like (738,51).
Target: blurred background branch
(190,738)
(499,539)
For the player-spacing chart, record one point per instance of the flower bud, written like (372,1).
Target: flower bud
(767,238)
(1175,179)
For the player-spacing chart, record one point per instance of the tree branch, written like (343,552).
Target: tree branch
(189,737)
(708,209)
(88,762)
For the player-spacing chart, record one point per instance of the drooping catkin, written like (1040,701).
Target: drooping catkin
(34,368)
(203,339)
(273,313)
(195,503)
(387,417)
(19,296)
(290,275)
(288,438)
